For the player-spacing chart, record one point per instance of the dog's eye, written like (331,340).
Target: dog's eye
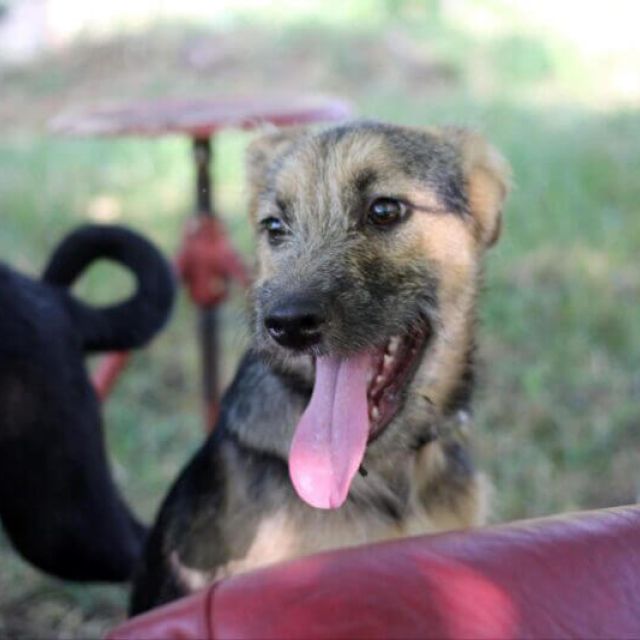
(275,229)
(386,211)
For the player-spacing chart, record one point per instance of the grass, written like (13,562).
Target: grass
(558,408)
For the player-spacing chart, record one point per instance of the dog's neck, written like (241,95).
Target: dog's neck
(263,405)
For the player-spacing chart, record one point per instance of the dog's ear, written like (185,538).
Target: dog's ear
(261,153)
(487,177)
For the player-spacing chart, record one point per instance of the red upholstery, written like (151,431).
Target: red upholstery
(571,576)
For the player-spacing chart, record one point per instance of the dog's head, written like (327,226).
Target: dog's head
(369,252)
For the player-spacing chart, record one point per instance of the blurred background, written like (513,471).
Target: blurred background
(555,84)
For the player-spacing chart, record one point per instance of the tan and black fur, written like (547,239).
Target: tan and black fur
(234,508)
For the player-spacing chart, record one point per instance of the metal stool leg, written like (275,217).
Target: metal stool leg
(207,328)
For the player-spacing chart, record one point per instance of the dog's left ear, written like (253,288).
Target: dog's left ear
(487,177)
(261,154)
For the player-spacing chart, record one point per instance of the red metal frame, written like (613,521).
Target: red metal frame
(108,371)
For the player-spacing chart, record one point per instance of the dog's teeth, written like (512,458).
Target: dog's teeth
(388,360)
(378,380)
(394,343)
(375,413)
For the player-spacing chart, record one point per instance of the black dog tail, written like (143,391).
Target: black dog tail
(128,324)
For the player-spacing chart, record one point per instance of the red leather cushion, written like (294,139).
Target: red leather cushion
(571,576)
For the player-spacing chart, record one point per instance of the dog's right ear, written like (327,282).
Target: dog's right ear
(488,180)
(261,153)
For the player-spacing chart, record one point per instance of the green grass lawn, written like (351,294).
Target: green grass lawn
(558,408)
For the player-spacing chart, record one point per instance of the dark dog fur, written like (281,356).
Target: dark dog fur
(373,231)
(58,503)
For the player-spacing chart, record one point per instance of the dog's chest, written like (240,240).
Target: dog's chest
(285,535)
(294,529)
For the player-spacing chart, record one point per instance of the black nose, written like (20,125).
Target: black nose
(296,322)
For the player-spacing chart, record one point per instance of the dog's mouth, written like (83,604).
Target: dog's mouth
(393,367)
(354,399)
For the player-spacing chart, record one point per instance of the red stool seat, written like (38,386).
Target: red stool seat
(574,576)
(198,118)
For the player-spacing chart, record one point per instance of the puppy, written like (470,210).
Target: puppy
(348,420)
(58,503)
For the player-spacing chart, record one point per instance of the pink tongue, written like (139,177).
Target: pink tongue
(331,437)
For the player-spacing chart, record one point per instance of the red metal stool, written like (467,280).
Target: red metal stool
(206,261)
